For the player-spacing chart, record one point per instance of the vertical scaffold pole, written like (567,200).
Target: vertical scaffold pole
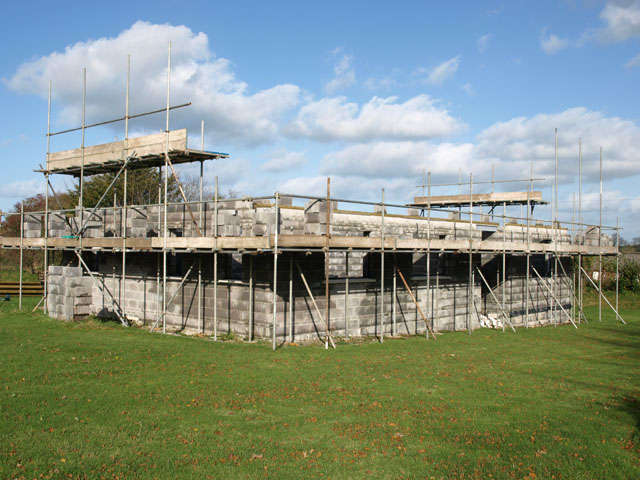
(200,224)
(123,289)
(470,279)
(21,254)
(81,196)
(580,229)
(526,314)
(617,262)
(504,258)
(166,188)
(250,297)
(158,301)
(215,259)
(346,295)
(393,295)
(327,237)
(600,247)
(291,298)
(555,229)
(275,270)
(46,205)
(429,296)
(382,269)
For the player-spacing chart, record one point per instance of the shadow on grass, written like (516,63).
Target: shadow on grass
(630,404)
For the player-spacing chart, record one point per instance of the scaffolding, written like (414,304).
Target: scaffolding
(170,148)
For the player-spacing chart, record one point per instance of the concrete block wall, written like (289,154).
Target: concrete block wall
(512,293)
(257,218)
(445,301)
(69,293)
(32,225)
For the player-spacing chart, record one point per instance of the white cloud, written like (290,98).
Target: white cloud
(397,159)
(522,139)
(445,70)
(351,188)
(634,62)
(231,112)
(21,189)
(551,43)
(483,42)
(380,83)
(331,119)
(282,161)
(344,74)
(510,146)
(622,20)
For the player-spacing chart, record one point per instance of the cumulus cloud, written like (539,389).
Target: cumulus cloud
(551,43)
(330,119)
(531,138)
(344,74)
(231,112)
(282,161)
(510,146)
(397,159)
(483,42)
(445,70)
(621,19)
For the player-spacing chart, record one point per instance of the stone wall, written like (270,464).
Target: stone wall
(69,293)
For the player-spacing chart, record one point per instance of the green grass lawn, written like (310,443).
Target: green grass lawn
(96,400)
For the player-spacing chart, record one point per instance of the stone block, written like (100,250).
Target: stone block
(72,271)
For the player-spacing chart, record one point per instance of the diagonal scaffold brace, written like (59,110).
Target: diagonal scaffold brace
(406,285)
(104,194)
(164,313)
(184,197)
(554,297)
(328,340)
(103,287)
(504,314)
(603,296)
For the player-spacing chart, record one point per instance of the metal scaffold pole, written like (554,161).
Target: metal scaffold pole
(250,297)
(215,259)
(346,295)
(470,279)
(46,206)
(504,257)
(580,228)
(21,254)
(617,261)
(382,269)
(291,299)
(200,217)
(123,287)
(600,246)
(275,272)
(555,228)
(429,296)
(166,188)
(394,281)
(526,314)
(327,237)
(81,196)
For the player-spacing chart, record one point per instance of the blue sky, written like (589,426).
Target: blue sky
(369,93)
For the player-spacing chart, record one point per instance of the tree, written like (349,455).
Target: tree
(143,187)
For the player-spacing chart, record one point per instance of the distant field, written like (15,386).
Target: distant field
(95,400)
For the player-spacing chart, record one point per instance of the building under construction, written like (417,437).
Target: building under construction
(292,268)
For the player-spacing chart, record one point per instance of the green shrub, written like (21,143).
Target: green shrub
(630,275)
